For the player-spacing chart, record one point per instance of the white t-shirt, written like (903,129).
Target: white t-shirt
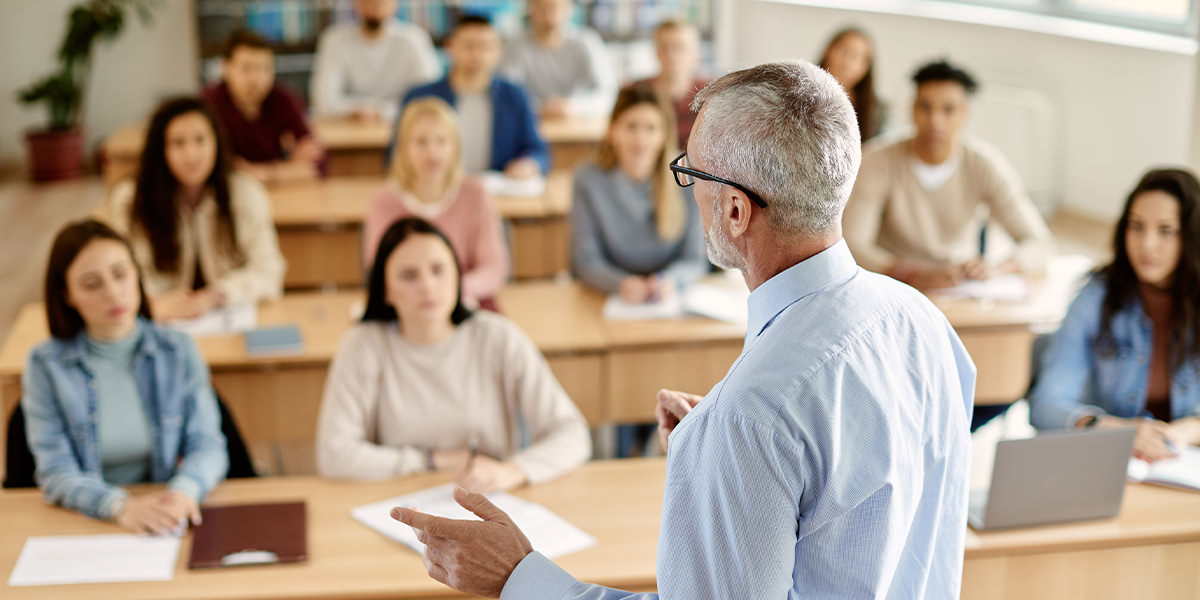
(475,130)
(352,72)
(933,177)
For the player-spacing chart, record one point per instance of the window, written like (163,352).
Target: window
(1174,17)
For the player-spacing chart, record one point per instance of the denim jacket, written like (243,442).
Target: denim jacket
(1080,377)
(59,400)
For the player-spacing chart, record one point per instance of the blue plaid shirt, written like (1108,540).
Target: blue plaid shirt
(830,462)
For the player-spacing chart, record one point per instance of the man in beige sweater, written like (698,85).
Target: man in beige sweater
(919,204)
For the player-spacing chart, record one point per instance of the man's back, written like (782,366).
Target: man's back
(832,460)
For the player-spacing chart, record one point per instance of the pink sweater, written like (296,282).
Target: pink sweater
(468,218)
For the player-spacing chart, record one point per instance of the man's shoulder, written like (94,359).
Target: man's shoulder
(981,156)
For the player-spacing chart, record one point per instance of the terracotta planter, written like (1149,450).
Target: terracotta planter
(55,155)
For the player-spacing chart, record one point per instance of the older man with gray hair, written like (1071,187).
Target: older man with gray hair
(832,459)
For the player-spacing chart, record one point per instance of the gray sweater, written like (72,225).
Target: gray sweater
(613,233)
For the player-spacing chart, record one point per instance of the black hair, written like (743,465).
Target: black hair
(942,70)
(378,308)
(1121,282)
(471,20)
(155,208)
(244,38)
(65,322)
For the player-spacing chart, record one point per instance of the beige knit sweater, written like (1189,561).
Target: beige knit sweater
(387,402)
(255,275)
(890,216)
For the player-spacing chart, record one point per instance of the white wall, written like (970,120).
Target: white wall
(1122,109)
(143,65)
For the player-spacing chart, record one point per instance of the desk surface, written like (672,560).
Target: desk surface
(345,134)
(343,201)
(617,502)
(559,317)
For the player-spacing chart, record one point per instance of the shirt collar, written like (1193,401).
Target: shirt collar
(813,274)
(75,349)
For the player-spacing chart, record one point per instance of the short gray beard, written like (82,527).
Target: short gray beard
(719,247)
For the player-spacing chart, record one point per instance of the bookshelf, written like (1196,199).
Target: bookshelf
(293,26)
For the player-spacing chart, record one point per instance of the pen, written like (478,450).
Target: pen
(471,456)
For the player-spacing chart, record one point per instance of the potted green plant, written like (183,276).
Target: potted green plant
(57,151)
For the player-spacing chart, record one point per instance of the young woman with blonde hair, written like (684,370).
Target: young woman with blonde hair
(426,180)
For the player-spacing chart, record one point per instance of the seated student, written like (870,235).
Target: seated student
(112,399)
(633,231)
(363,69)
(264,121)
(850,58)
(201,233)
(424,384)
(677,45)
(566,70)
(427,181)
(499,130)
(1126,354)
(919,204)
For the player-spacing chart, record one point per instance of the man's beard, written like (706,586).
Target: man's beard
(719,247)
(372,24)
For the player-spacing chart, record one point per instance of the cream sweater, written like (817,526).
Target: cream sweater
(255,275)
(387,402)
(890,216)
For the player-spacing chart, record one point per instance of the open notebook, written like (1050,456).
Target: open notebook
(1182,471)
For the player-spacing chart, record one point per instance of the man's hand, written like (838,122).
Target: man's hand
(554,108)
(672,407)
(474,557)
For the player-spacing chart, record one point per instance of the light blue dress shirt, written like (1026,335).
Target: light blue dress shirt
(830,462)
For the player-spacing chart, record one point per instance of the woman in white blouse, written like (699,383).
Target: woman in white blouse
(424,384)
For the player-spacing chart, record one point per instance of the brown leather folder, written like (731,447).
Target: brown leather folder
(250,534)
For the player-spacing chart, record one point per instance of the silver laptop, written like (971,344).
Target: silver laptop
(1052,478)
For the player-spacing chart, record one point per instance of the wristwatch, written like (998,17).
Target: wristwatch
(1089,422)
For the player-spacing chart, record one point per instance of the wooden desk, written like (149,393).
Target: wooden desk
(617,502)
(1150,551)
(612,370)
(573,140)
(355,148)
(320,229)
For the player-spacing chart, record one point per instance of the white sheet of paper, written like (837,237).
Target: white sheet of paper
(723,302)
(616,309)
(227,319)
(549,533)
(1182,471)
(1004,288)
(499,184)
(112,558)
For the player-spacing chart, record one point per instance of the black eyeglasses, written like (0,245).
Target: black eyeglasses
(686,176)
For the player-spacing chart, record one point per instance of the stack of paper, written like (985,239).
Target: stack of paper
(499,184)
(616,309)
(1183,471)
(549,533)
(95,559)
(227,319)
(1004,288)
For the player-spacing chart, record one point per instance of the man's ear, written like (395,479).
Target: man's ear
(738,212)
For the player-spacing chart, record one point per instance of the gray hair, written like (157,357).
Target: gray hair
(787,131)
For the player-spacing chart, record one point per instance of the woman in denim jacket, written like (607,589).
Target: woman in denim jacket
(1127,353)
(112,399)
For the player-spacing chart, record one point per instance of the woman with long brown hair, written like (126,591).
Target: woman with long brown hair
(1128,351)
(633,231)
(850,58)
(201,232)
